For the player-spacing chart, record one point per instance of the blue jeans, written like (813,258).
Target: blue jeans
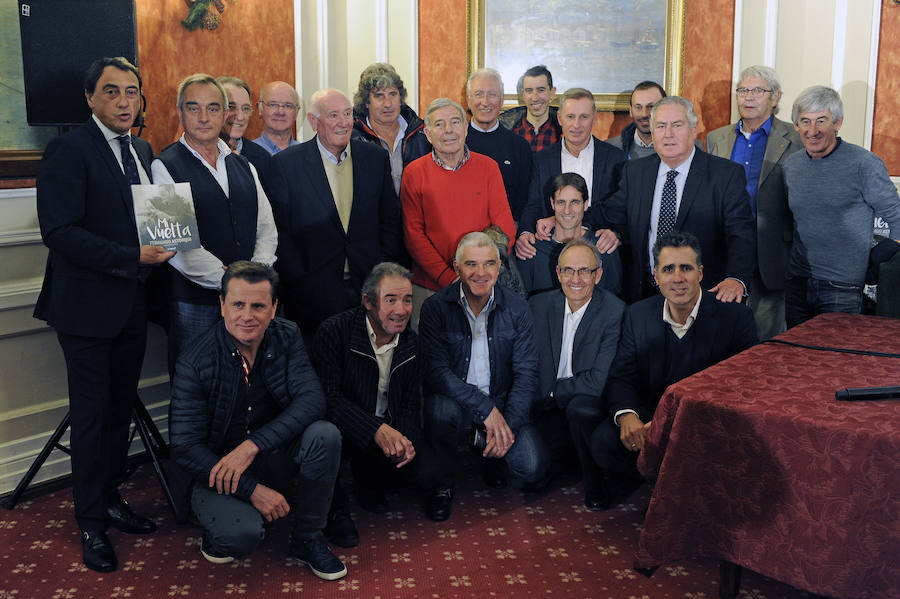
(446,421)
(808,297)
(186,323)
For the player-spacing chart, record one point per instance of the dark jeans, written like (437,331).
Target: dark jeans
(234,527)
(608,451)
(187,322)
(446,422)
(808,297)
(373,470)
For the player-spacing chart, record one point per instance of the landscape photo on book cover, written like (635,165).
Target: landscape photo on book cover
(165,216)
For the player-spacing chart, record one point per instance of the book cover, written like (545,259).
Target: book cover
(165,216)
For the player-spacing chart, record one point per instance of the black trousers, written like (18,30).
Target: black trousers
(103,377)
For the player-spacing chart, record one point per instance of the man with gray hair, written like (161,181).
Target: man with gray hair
(681,187)
(382,116)
(484,94)
(234,218)
(455,191)
(336,211)
(481,372)
(835,189)
(280,107)
(761,143)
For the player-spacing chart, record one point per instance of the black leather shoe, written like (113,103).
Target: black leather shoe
(438,504)
(122,518)
(97,551)
(372,500)
(596,503)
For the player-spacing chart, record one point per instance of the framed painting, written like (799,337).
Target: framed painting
(606,46)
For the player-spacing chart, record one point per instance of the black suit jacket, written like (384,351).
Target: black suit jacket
(312,244)
(608,162)
(637,378)
(714,207)
(87,221)
(593,348)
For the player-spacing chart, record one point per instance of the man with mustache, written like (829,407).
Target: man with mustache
(337,214)
(368,361)
(234,218)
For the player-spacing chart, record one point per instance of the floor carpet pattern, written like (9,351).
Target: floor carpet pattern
(497,543)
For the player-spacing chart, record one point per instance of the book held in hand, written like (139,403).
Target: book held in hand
(165,216)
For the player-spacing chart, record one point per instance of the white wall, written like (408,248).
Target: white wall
(814,42)
(337,39)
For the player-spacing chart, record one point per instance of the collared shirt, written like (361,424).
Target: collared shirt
(545,136)
(396,153)
(240,145)
(475,125)
(441,164)
(749,151)
(199,265)
(664,168)
(583,164)
(571,320)
(329,156)
(270,146)
(383,356)
(640,142)
(116,147)
(681,330)
(479,373)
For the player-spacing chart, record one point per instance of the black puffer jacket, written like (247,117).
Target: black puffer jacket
(207,379)
(415,144)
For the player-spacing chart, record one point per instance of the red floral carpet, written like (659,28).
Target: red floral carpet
(496,544)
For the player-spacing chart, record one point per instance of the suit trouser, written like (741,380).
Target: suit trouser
(768,309)
(103,376)
(234,527)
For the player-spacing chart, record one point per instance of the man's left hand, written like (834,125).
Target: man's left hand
(394,445)
(729,290)
(225,475)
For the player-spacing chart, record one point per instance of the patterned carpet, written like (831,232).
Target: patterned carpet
(496,544)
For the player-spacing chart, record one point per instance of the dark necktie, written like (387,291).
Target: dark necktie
(667,210)
(128,163)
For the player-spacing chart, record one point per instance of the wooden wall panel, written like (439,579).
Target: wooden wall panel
(254,41)
(885,136)
(708,33)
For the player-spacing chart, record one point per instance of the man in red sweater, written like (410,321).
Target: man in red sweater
(444,195)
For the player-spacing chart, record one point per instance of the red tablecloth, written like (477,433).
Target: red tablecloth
(756,462)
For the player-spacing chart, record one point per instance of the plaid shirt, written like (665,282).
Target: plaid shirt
(548,134)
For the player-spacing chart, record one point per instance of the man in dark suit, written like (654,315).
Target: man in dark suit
(237,117)
(682,188)
(576,330)
(336,211)
(94,295)
(664,339)
(579,152)
(762,147)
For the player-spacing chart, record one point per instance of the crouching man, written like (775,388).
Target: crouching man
(247,418)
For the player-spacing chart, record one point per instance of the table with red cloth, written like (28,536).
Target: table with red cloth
(756,463)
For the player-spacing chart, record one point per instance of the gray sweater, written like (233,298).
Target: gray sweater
(834,200)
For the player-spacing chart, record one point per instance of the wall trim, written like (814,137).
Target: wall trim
(21,237)
(20,294)
(771,33)
(839,45)
(18,193)
(872,79)
(381,31)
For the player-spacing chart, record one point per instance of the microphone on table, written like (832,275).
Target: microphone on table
(867,393)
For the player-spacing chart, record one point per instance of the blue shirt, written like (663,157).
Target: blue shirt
(479,373)
(749,152)
(269,146)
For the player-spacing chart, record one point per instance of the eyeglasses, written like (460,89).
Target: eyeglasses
(568,272)
(281,105)
(246,108)
(753,93)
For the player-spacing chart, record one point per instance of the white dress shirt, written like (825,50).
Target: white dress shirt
(383,356)
(116,148)
(571,320)
(199,265)
(583,164)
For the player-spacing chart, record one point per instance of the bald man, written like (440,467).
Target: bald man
(280,107)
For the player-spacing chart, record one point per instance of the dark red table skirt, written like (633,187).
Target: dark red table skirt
(756,462)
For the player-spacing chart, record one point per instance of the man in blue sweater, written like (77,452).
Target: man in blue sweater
(835,189)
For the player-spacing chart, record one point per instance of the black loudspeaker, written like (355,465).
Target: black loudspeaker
(60,40)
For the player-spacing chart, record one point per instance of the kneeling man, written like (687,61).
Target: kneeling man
(368,361)
(481,371)
(576,330)
(247,417)
(665,338)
